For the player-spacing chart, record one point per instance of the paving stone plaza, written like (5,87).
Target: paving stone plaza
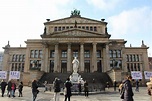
(108,95)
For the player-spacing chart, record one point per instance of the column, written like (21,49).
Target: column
(94,57)
(56,58)
(106,58)
(81,57)
(44,66)
(69,58)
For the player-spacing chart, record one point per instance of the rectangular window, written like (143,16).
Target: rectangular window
(55,29)
(59,28)
(32,54)
(75,53)
(114,53)
(40,53)
(36,53)
(79,26)
(87,28)
(52,53)
(86,53)
(98,54)
(118,53)
(67,27)
(95,28)
(91,28)
(64,53)
(110,53)
(83,27)
(63,28)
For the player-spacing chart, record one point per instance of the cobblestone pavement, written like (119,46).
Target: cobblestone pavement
(108,95)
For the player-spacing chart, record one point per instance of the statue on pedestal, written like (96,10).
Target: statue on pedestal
(75,65)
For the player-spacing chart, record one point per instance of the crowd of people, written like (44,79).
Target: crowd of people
(11,87)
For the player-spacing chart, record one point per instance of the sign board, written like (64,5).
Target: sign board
(3,74)
(14,75)
(136,75)
(147,74)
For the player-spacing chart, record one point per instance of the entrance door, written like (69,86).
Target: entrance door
(99,66)
(51,66)
(87,66)
(63,66)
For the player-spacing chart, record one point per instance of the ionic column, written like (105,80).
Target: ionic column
(56,58)
(94,57)
(81,57)
(106,58)
(45,66)
(69,58)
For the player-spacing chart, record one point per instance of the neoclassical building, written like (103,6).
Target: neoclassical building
(75,36)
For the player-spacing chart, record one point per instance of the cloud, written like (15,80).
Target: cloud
(104,4)
(137,20)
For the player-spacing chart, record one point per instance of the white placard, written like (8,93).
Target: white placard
(136,75)
(14,75)
(3,74)
(147,74)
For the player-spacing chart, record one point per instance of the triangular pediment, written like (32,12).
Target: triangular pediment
(75,33)
(73,19)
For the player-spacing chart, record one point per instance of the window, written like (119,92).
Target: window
(118,53)
(67,27)
(59,28)
(36,54)
(114,53)
(55,29)
(71,26)
(64,53)
(40,53)
(32,54)
(87,28)
(52,53)
(75,53)
(83,27)
(98,53)
(110,52)
(91,28)
(63,28)
(17,57)
(95,28)
(87,53)
(79,26)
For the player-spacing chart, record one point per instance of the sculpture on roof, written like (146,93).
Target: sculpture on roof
(75,12)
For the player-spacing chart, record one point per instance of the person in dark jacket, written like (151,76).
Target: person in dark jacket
(3,86)
(67,88)
(128,93)
(20,89)
(79,87)
(35,90)
(86,89)
(57,89)
(9,89)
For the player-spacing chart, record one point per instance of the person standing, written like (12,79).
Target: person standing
(128,93)
(13,88)
(115,85)
(3,86)
(9,89)
(86,89)
(20,88)
(149,88)
(67,88)
(137,86)
(79,87)
(56,87)
(45,85)
(34,89)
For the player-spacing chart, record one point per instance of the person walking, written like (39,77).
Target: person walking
(67,89)
(20,88)
(86,89)
(3,86)
(127,90)
(45,86)
(35,90)
(57,89)
(9,89)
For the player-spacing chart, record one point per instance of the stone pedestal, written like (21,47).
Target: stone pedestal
(75,78)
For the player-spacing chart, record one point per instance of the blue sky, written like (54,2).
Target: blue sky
(127,19)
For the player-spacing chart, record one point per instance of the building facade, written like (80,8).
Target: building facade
(75,36)
(1,60)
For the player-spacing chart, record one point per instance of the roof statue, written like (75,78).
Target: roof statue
(75,12)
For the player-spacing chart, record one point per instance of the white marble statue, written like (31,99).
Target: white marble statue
(75,65)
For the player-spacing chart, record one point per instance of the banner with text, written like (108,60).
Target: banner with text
(14,75)
(147,74)
(3,74)
(136,75)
